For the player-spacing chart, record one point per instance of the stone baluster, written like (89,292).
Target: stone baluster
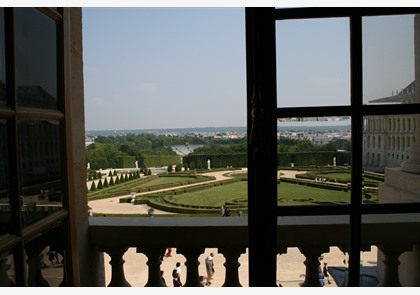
(35,278)
(5,281)
(232,266)
(192,263)
(117,265)
(154,261)
(391,263)
(312,253)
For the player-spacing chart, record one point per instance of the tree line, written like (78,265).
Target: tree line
(151,150)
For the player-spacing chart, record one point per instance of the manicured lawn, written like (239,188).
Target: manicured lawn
(215,196)
(288,194)
(292,194)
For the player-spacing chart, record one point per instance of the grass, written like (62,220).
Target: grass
(288,194)
(215,196)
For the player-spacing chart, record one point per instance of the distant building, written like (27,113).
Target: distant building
(386,138)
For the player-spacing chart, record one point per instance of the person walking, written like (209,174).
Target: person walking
(176,272)
(176,280)
(209,262)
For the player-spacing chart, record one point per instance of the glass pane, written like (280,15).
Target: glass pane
(386,147)
(7,271)
(313,157)
(2,60)
(5,218)
(313,62)
(388,59)
(41,168)
(36,59)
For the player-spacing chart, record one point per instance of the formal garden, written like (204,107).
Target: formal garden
(193,193)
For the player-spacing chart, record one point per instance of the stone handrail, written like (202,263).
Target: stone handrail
(393,234)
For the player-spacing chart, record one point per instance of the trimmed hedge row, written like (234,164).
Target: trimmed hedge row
(321,158)
(164,205)
(311,175)
(124,188)
(331,186)
(195,179)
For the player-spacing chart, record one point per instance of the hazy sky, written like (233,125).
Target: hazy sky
(148,68)
(164,67)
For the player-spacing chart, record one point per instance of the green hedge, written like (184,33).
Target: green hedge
(313,158)
(159,161)
(216,161)
(283,159)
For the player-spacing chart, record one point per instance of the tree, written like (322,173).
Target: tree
(99,185)
(93,186)
(169,168)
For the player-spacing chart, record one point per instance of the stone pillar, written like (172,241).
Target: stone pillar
(232,266)
(192,263)
(153,254)
(117,264)
(312,253)
(391,263)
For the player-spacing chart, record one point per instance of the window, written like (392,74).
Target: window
(32,139)
(364,57)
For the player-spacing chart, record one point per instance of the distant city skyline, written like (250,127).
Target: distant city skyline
(157,68)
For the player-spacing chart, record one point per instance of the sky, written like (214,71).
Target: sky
(148,68)
(185,67)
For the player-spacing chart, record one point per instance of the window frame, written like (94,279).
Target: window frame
(261,74)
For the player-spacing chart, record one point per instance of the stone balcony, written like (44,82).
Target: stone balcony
(312,235)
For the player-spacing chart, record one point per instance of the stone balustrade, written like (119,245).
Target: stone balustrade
(393,234)
(312,235)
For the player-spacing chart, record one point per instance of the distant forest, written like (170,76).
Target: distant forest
(150,150)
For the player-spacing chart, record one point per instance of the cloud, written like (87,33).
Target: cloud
(147,88)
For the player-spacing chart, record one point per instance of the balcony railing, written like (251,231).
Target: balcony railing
(191,236)
(312,235)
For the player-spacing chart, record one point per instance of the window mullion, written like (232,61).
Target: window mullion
(357,146)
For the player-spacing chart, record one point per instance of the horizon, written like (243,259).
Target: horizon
(221,127)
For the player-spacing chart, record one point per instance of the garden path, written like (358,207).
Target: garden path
(113,205)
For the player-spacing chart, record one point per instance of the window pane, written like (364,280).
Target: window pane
(313,62)
(388,59)
(36,59)
(40,167)
(313,156)
(386,147)
(2,60)
(4,182)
